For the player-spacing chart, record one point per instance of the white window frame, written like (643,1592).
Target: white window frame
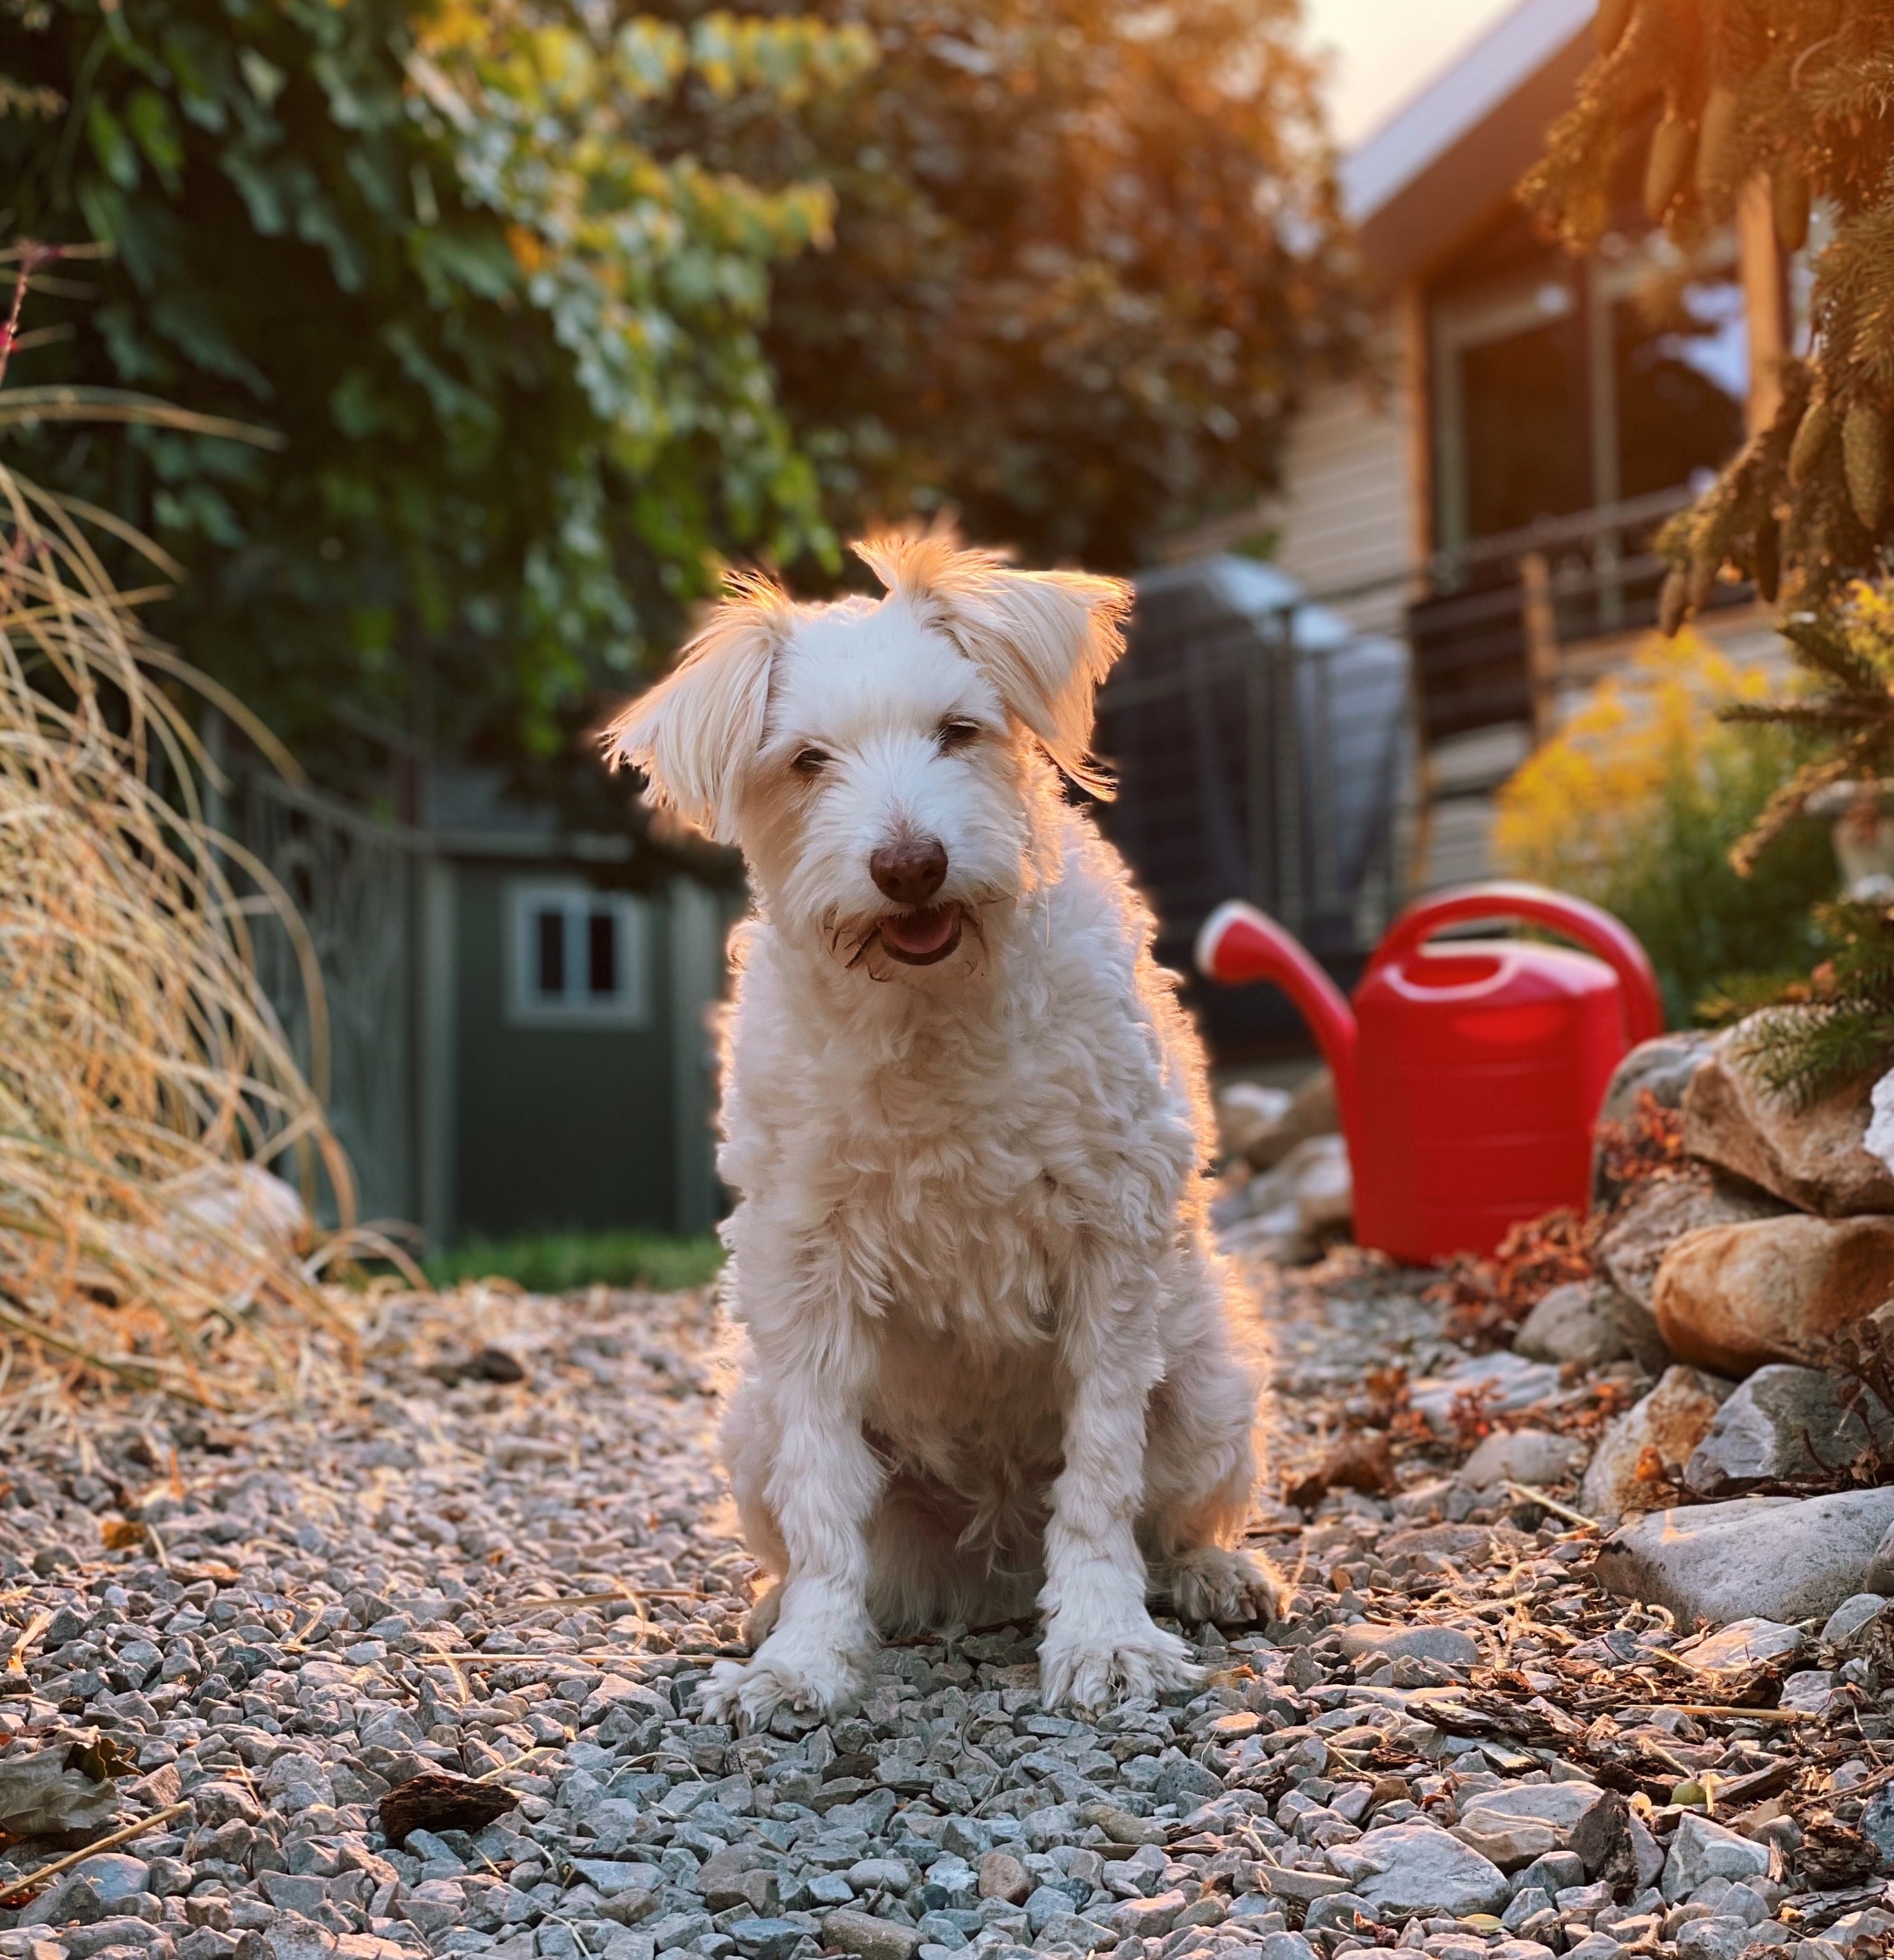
(526,1007)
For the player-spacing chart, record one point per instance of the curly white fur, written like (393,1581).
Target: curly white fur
(994,1359)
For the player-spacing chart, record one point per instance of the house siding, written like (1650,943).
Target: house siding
(1346,520)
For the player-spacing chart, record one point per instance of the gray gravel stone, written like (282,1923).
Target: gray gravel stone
(1702,1850)
(1406,1869)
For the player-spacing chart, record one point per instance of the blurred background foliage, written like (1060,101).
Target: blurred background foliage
(1086,258)
(513,351)
(555,307)
(1637,804)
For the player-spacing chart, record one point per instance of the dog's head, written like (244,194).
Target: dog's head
(882,763)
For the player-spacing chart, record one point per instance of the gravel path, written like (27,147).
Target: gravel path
(272,1626)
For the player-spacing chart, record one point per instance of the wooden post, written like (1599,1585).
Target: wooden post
(1765,301)
(1541,641)
(1410,313)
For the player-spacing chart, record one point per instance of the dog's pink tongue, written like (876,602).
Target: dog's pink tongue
(918,934)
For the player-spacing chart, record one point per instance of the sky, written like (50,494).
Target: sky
(1384,49)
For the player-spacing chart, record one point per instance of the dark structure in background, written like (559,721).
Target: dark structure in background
(518,1013)
(1262,750)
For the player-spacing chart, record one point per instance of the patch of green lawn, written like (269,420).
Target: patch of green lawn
(564,1261)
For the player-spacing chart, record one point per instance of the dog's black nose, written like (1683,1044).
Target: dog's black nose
(911,871)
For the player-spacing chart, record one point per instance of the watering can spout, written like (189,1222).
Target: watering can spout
(1238,943)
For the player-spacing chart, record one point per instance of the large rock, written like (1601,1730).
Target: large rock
(1787,1425)
(1573,1324)
(1658,1434)
(1700,1851)
(1812,1158)
(1405,1869)
(1660,1213)
(1664,1066)
(1779,1558)
(1733,1297)
(1513,1827)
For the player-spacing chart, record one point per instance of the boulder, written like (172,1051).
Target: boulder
(1787,1425)
(1812,1158)
(1733,1297)
(1812,1691)
(1782,1558)
(1658,1215)
(1637,1327)
(1660,1431)
(1664,1066)
(1324,1185)
(1513,1827)
(1403,1869)
(1147,1918)
(1700,1851)
(1576,1324)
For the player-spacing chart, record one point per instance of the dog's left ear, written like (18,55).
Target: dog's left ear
(1046,639)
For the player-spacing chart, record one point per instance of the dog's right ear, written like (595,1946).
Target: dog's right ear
(693,733)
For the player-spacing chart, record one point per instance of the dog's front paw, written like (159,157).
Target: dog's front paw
(1231,1587)
(808,1674)
(1093,1665)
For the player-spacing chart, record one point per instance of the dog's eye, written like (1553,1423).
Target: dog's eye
(956,732)
(810,762)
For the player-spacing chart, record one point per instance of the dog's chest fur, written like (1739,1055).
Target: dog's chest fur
(960,1146)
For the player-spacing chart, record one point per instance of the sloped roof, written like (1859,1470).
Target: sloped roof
(1453,151)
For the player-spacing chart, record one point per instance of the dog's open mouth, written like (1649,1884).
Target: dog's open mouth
(919,938)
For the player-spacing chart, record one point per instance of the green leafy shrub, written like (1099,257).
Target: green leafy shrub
(1637,805)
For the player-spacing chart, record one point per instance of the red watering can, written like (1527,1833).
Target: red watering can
(1467,1075)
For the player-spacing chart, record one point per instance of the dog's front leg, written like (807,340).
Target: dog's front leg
(823,1486)
(1099,1639)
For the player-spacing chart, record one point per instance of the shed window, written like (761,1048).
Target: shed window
(579,957)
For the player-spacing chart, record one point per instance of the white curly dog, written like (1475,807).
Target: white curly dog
(993,1359)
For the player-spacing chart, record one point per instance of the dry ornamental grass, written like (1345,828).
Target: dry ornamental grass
(147,1088)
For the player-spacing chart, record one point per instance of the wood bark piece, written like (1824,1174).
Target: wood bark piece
(438,1800)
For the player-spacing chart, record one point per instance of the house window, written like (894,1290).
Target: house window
(578,957)
(1565,386)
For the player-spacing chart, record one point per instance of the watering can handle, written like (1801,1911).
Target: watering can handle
(1590,926)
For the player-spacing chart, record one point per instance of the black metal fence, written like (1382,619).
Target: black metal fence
(1269,744)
